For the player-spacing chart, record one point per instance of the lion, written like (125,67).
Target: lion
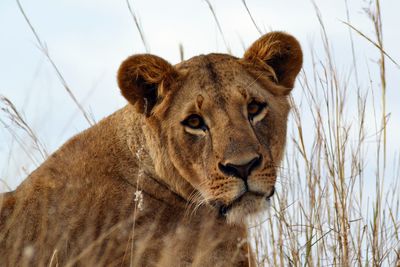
(169,179)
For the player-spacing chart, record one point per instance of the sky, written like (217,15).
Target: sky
(87,40)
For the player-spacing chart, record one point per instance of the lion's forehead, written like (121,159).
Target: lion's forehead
(217,77)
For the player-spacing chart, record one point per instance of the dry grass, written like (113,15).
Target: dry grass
(321,214)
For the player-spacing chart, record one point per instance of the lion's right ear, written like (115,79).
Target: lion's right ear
(143,80)
(281,52)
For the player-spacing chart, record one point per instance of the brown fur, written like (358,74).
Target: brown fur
(141,188)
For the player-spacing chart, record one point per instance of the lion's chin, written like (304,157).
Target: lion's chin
(248,205)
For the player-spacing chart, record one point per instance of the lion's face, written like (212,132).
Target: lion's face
(225,134)
(219,121)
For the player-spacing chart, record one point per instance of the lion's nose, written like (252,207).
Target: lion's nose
(240,171)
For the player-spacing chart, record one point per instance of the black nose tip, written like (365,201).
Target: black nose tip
(240,171)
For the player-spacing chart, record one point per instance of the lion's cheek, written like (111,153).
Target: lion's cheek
(271,133)
(185,159)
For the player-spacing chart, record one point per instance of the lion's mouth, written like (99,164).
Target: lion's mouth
(224,209)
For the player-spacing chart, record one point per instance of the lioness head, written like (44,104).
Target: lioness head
(217,122)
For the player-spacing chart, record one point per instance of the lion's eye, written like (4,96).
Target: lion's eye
(194,121)
(255,108)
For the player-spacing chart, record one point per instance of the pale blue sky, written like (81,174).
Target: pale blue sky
(88,40)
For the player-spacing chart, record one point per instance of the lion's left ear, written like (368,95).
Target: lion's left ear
(281,52)
(144,80)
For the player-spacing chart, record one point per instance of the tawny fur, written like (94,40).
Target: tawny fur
(139,188)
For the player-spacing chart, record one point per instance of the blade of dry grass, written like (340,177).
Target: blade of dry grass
(251,17)
(377,45)
(43,48)
(138,26)
(17,119)
(228,49)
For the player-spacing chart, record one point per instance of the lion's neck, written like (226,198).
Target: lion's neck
(148,161)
